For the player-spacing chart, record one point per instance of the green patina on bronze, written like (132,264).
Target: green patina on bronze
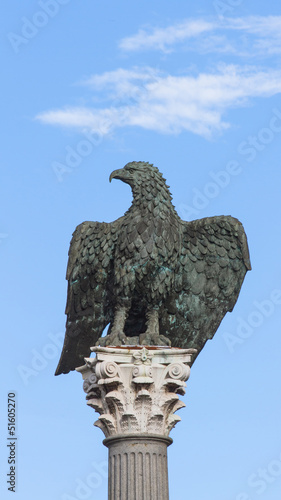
(152,277)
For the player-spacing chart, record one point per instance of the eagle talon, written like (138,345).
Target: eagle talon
(164,340)
(154,339)
(113,339)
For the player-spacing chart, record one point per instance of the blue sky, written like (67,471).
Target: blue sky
(193,87)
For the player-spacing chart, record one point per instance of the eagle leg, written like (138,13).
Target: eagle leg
(151,335)
(116,336)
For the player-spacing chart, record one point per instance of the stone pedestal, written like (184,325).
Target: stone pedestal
(135,390)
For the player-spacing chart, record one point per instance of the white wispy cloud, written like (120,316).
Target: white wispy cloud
(263,32)
(167,103)
(163,38)
(122,82)
(261,25)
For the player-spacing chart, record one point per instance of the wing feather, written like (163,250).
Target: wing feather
(210,273)
(89,275)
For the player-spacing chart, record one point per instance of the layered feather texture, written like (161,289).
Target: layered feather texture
(191,272)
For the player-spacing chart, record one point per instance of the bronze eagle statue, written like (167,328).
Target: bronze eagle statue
(152,277)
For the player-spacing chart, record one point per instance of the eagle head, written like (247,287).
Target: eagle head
(136,173)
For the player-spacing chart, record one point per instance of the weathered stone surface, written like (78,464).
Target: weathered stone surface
(136,390)
(137,467)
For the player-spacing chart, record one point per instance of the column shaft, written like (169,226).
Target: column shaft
(138,467)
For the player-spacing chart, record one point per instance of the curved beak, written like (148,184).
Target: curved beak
(116,174)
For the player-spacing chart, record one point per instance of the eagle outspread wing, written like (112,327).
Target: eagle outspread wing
(89,303)
(213,262)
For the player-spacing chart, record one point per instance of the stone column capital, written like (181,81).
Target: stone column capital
(136,389)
